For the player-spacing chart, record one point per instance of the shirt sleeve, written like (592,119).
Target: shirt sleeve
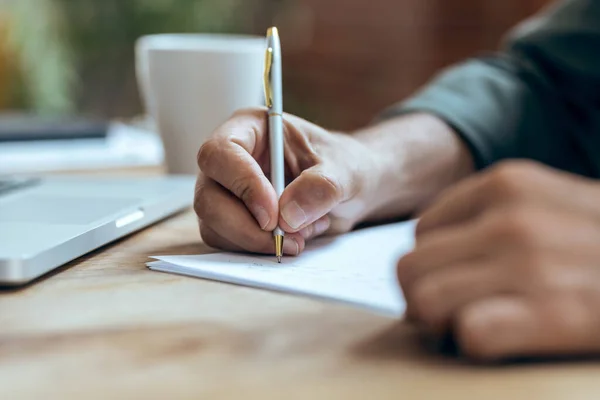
(538,98)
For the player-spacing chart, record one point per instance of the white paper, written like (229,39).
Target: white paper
(357,268)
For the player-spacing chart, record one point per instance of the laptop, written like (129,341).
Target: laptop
(47,222)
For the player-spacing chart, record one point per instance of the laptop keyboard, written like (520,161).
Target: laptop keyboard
(9,184)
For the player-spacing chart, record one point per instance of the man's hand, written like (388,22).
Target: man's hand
(509,260)
(335,180)
(330,178)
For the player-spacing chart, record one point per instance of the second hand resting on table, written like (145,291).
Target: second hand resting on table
(503,258)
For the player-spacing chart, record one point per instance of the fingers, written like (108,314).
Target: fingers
(316,229)
(213,239)
(225,216)
(232,185)
(232,167)
(233,157)
(491,323)
(435,299)
(522,182)
(500,184)
(461,202)
(446,248)
(509,326)
(228,158)
(312,195)
(504,259)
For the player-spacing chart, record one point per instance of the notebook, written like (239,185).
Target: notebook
(357,268)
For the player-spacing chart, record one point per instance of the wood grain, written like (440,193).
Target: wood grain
(106,327)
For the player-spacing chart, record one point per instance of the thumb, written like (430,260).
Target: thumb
(313,194)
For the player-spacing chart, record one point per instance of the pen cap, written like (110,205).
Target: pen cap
(275,76)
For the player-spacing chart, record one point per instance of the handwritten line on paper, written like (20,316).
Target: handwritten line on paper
(357,268)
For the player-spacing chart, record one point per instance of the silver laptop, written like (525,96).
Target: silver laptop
(47,222)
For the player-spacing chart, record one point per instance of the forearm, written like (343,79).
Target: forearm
(418,156)
(536,99)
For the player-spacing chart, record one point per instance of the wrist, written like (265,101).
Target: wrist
(416,156)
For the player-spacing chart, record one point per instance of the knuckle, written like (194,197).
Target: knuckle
(512,179)
(425,296)
(341,225)
(242,188)
(541,274)
(515,169)
(517,226)
(208,236)
(204,204)
(506,180)
(199,197)
(573,316)
(326,187)
(308,231)
(206,154)
(203,208)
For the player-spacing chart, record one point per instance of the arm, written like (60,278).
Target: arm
(538,99)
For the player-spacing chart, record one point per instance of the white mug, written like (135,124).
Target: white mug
(191,83)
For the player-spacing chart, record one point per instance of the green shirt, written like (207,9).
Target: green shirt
(539,98)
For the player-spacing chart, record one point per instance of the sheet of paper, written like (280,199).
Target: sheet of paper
(357,268)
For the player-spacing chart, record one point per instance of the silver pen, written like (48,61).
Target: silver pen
(274,101)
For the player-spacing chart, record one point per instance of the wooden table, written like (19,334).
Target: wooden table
(106,327)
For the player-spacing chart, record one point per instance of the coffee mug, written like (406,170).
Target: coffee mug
(192,83)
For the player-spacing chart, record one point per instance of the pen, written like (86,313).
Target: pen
(273,98)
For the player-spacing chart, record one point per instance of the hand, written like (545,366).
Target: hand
(331,180)
(509,260)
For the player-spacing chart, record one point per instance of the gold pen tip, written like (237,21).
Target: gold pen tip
(278,247)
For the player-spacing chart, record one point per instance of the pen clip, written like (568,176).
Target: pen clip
(267,77)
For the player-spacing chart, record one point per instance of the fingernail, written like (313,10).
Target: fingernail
(261,215)
(321,226)
(293,215)
(290,246)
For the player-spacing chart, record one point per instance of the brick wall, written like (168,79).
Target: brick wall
(347,59)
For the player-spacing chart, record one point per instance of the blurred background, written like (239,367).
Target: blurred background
(344,60)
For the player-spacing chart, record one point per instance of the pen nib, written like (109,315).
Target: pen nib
(279,247)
